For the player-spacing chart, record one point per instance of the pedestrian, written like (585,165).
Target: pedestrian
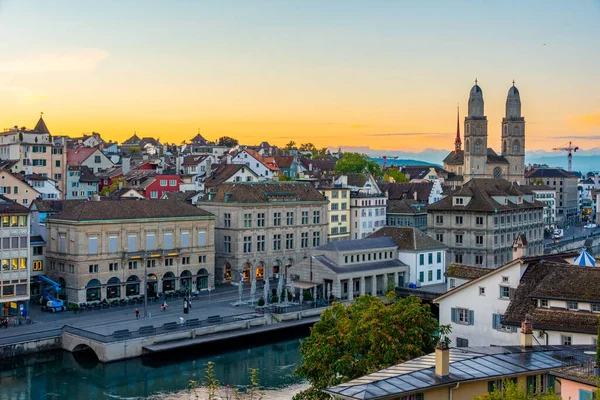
(137,313)
(164,306)
(185,306)
(5,322)
(190,303)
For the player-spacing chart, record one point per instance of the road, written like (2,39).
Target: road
(576,232)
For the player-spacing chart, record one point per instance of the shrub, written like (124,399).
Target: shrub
(261,302)
(274,299)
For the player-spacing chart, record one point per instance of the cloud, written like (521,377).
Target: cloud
(583,137)
(409,134)
(23,95)
(587,120)
(65,61)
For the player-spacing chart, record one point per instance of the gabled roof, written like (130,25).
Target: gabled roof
(53,206)
(11,207)
(85,174)
(407,190)
(358,267)
(148,140)
(225,172)
(285,161)
(193,159)
(41,127)
(406,206)
(77,156)
(319,164)
(261,192)
(493,158)
(129,210)
(464,271)
(198,139)
(455,158)
(548,173)
(357,180)
(133,140)
(408,239)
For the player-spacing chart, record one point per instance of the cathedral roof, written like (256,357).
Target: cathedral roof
(455,158)
(513,93)
(476,91)
(494,158)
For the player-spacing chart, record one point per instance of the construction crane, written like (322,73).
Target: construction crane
(570,149)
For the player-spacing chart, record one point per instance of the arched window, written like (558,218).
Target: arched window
(478,146)
(202,279)
(185,281)
(93,290)
(516,147)
(133,286)
(113,288)
(168,282)
(504,148)
(497,173)
(516,130)
(467,148)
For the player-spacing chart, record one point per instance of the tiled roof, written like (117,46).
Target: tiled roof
(224,172)
(481,192)
(249,192)
(533,188)
(193,159)
(41,127)
(455,158)
(463,271)
(548,173)
(284,162)
(318,164)
(79,155)
(493,158)
(8,206)
(129,209)
(357,244)
(410,239)
(133,140)
(358,180)
(55,205)
(407,190)
(198,139)
(85,173)
(406,206)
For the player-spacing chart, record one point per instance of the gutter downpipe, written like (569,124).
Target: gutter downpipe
(451,389)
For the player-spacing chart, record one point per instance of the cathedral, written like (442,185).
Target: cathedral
(477,160)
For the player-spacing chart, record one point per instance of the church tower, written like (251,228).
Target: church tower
(457,142)
(475,137)
(513,136)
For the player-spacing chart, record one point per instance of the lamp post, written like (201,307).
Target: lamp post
(145,287)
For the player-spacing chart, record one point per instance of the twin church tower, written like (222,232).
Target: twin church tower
(479,161)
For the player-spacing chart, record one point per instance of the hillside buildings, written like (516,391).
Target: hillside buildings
(107,249)
(264,228)
(480,221)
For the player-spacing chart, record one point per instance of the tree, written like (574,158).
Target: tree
(366,336)
(290,145)
(134,150)
(227,141)
(213,390)
(114,185)
(308,147)
(284,178)
(512,391)
(395,174)
(356,163)
(537,181)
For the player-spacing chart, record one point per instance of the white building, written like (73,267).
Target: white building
(367,205)
(547,195)
(425,256)
(265,167)
(488,308)
(46,187)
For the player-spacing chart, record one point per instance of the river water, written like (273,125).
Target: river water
(62,375)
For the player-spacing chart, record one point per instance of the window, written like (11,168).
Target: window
(478,260)
(316,217)
(276,242)
(38,250)
(169,262)
(132,264)
(168,241)
(260,220)
(247,244)
(289,217)
(439,237)
(479,239)
(202,259)
(504,292)
(452,283)
(439,274)
(462,316)
(289,241)
(38,265)
(316,239)
(459,239)
(544,303)
(429,276)
(439,257)
(595,307)
(92,268)
(566,340)
(185,239)
(227,244)
(334,218)
(113,266)
(304,241)
(227,220)
(163,182)
(277,219)
(247,220)
(421,276)
(572,305)
(150,241)
(334,206)
(185,260)
(481,291)
(153,194)
(479,220)
(421,259)
(505,279)
(112,244)
(131,243)
(173,182)
(93,245)
(458,258)
(260,243)
(459,201)
(459,220)
(304,217)
(430,258)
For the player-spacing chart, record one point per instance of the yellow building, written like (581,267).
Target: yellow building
(338,210)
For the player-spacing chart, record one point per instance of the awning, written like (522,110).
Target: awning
(303,285)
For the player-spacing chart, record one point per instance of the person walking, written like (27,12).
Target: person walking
(164,306)
(185,306)
(137,313)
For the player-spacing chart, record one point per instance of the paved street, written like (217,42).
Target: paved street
(106,321)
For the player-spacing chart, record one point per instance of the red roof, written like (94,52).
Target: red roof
(79,155)
(268,162)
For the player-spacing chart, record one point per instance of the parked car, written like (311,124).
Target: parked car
(590,226)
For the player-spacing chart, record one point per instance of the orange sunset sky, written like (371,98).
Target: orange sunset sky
(384,74)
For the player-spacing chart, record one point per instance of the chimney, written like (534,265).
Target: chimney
(527,333)
(442,359)
(95,197)
(519,247)
(415,195)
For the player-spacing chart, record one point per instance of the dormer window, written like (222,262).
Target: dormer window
(459,201)
(544,303)
(572,305)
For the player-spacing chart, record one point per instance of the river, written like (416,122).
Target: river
(62,375)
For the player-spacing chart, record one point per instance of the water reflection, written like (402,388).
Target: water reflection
(59,375)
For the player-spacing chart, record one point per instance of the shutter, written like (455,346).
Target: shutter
(494,321)
(471,317)
(551,382)
(132,243)
(201,239)
(585,395)
(150,241)
(454,314)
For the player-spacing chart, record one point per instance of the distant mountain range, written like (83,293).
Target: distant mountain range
(583,160)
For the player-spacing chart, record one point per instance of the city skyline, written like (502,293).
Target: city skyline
(379,74)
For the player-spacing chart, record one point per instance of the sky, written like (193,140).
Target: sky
(384,74)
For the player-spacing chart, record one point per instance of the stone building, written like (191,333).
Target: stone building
(480,221)
(338,210)
(477,160)
(107,249)
(367,205)
(16,264)
(263,228)
(567,196)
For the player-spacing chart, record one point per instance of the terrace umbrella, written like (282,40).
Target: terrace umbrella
(585,259)
(280,288)
(240,289)
(292,289)
(266,290)
(253,289)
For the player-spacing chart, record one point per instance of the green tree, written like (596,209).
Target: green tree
(366,336)
(511,391)
(214,391)
(227,141)
(290,145)
(284,178)
(134,150)
(106,190)
(395,174)
(356,163)
(308,147)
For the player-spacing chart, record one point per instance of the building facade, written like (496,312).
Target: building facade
(547,195)
(81,183)
(338,210)
(262,229)
(16,264)
(567,196)
(480,221)
(16,189)
(406,212)
(107,249)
